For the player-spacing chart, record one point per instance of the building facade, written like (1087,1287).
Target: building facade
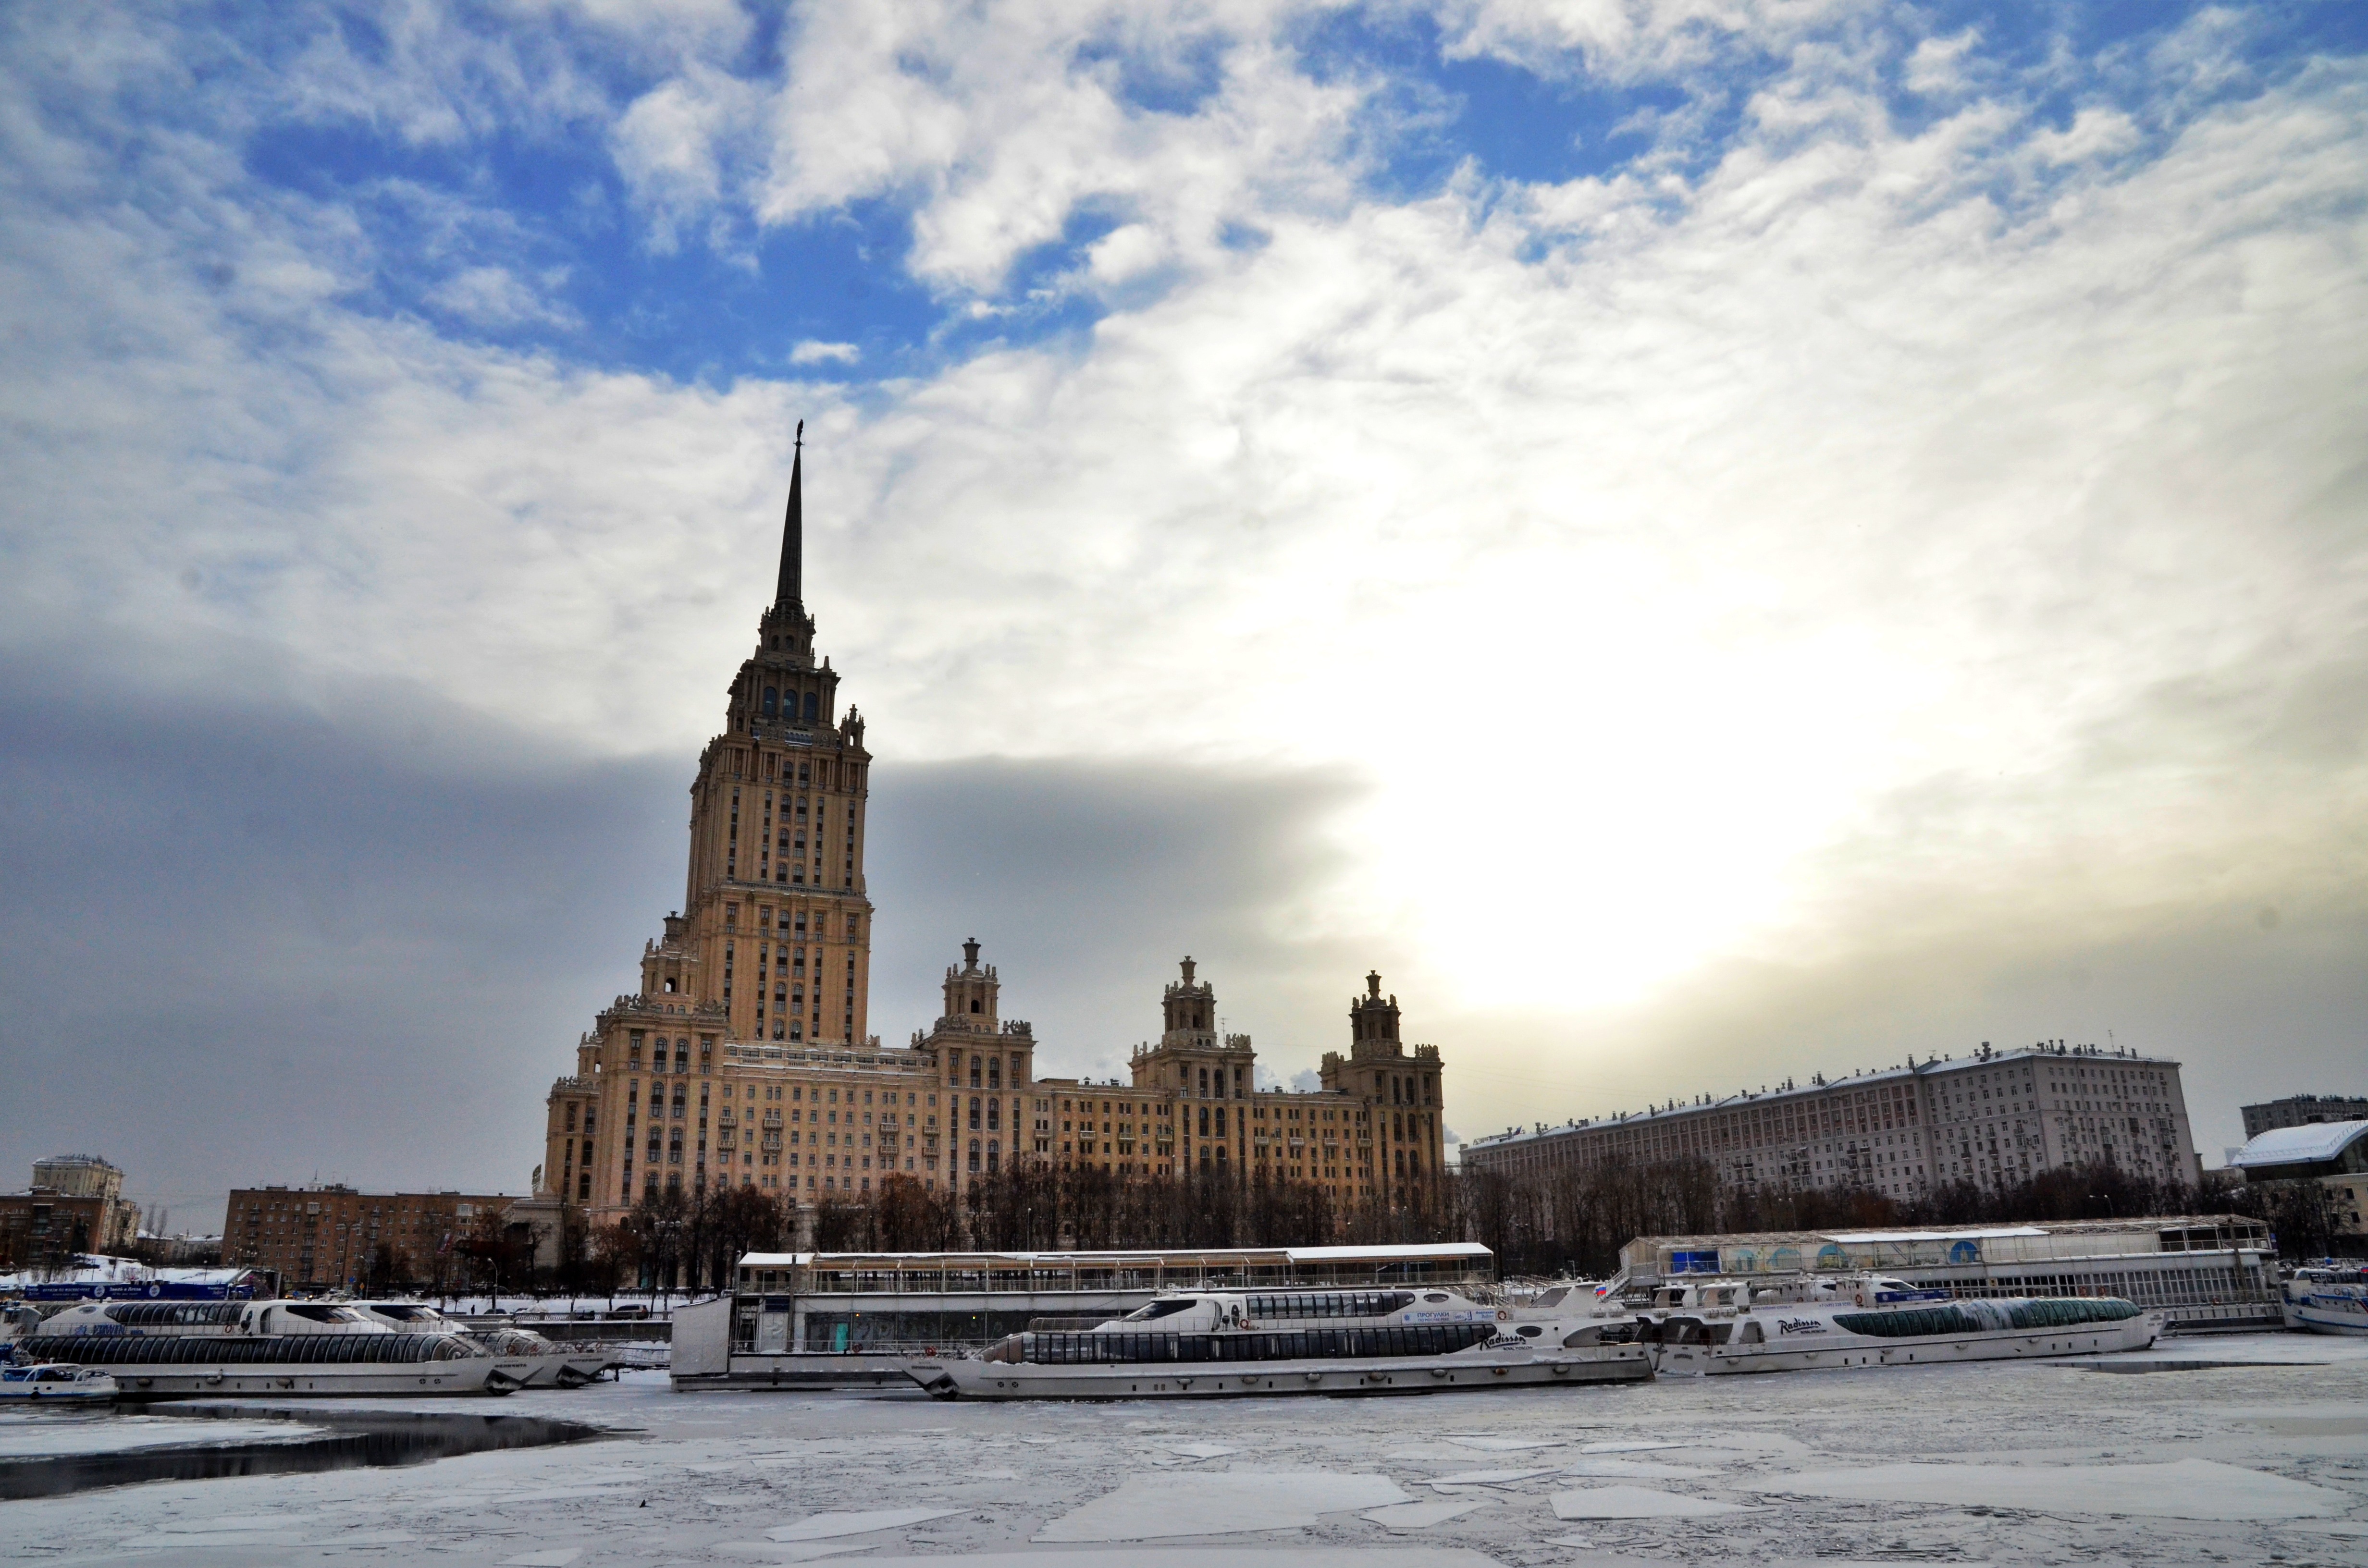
(324,1237)
(2304,1110)
(745,1057)
(2331,1154)
(74,1206)
(1995,1118)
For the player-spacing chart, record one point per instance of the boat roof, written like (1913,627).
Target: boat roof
(1391,1253)
(1966,1234)
(2308,1145)
(2136,1225)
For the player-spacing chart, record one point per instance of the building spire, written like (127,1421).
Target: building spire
(793,531)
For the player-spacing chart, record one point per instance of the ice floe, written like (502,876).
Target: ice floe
(1213,1557)
(1637,1503)
(1490,1477)
(825,1527)
(1421,1516)
(41,1437)
(2183,1489)
(791,1551)
(1506,1445)
(1155,1507)
(1608,1469)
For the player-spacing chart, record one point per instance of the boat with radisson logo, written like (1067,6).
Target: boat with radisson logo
(1204,1345)
(1711,1325)
(165,1349)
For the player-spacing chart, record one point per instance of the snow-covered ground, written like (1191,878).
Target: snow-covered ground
(1998,1462)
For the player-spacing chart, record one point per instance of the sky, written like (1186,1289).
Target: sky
(1708,540)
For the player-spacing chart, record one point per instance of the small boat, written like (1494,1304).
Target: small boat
(1232,1344)
(1705,1326)
(549,1365)
(168,1349)
(2328,1298)
(55,1382)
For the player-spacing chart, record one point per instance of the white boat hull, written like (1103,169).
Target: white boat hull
(2344,1316)
(330,1381)
(100,1390)
(1837,1351)
(1262,1380)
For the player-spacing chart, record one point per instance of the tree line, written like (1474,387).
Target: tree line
(1568,1223)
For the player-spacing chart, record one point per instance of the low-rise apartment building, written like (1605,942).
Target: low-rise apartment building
(323,1237)
(74,1205)
(1995,1118)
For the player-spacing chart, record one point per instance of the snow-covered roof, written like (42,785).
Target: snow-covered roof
(97,1269)
(1388,1253)
(2308,1145)
(1949,1235)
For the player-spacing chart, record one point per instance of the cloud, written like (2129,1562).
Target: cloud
(814,353)
(494,296)
(1793,591)
(1630,39)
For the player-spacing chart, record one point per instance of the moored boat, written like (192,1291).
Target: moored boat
(548,1365)
(54,1382)
(168,1349)
(1203,1345)
(2329,1298)
(1710,1326)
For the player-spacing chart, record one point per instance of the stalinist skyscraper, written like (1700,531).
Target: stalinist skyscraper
(745,1058)
(769,956)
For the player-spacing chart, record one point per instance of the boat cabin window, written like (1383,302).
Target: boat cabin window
(1693,1331)
(406,1312)
(314,1314)
(1529,1331)
(1550,1299)
(1160,1310)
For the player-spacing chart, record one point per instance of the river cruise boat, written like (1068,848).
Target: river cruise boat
(861,1320)
(1204,1345)
(1704,1326)
(550,1365)
(54,1382)
(171,1349)
(2329,1298)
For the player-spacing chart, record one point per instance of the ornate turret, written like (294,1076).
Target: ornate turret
(1373,1022)
(1192,1011)
(970,994)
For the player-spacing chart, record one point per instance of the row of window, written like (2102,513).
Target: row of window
(800,707)
(1104,1349)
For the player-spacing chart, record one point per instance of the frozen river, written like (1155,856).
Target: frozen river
(2001,1463)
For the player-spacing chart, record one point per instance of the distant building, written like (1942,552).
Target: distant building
(321,1237)
(1995,1118)
(2332,1154)
(74,1205)
(2304,1110)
